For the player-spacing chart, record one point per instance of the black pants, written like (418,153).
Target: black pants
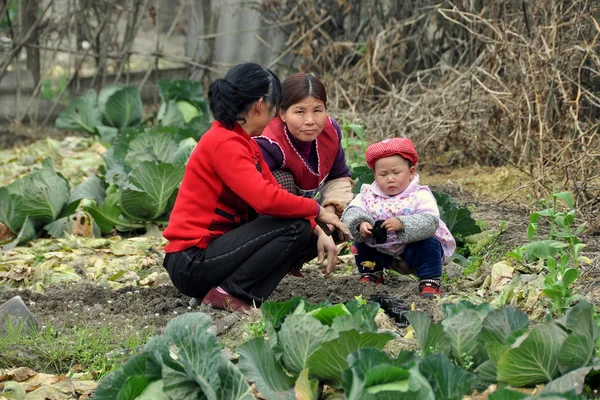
(248,262)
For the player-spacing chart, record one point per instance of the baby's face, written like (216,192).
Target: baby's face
(393,175)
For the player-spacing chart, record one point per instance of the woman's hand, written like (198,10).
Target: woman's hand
(325,244)
(331,209)
(365,229)
(326,217)
(392,224)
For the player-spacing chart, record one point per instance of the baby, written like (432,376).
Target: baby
(396,222)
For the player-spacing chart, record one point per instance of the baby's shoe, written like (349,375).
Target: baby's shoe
(429,288)
(373,277)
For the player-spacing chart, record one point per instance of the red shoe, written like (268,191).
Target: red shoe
(221,301)
(371,278)
(297,273)
(430,288)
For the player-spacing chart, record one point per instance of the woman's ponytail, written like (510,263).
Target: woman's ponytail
(231,97)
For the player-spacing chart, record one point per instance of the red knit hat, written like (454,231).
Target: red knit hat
(388,147)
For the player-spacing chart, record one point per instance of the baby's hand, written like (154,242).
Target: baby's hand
(365,229)
(392,224)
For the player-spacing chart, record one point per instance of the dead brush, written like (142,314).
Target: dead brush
(487,82)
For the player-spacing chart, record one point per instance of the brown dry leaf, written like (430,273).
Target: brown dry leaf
(84,388)
(83,224)
(18,374)
(5,233)
(18,273)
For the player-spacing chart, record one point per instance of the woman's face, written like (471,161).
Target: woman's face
(305,119)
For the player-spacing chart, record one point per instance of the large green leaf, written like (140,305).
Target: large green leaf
(233,384)
(105,94)
(170,115)
(573,380)
(186,90)
(461,332)
(451,309)
(107,134)
(361,318)
(535,360)
(456,217)
(430,335)
(276,311)
(499,324)
(44,196)
(448,381)
(326,315)
(108,214)
(374,375)
(544,248)
(124,107)
(26,233)
(10,210)
(328,362)
(183,153)
(305,388)
(154,391)
(133,387)
(198,352)
(257,363)
(299,337)
(120,146)
(485,375)
(128,381)
(156,184)
(578,349)
(82,114)
(92,188)
(151,146)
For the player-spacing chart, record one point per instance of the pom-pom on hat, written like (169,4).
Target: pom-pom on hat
(388,147)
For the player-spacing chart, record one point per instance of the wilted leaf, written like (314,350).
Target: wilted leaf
(305,388)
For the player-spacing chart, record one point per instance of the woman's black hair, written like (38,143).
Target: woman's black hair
(244,84)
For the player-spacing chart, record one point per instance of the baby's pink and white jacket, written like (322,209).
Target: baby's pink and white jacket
(415,207)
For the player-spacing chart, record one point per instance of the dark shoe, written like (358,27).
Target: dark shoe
(221,301)
(376,278)
(429,288)
(400,266)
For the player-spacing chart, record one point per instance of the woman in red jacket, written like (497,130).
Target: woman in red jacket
(217,250)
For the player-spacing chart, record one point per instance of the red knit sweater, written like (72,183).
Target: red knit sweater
(226,175)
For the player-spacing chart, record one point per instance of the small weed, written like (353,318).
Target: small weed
(560,253)
(255,330)
(57,350)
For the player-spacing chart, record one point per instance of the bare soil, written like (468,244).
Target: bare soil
(133,309)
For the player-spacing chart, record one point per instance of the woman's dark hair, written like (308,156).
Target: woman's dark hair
(239,89)
(299,86)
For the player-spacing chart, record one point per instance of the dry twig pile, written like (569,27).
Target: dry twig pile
(491,82)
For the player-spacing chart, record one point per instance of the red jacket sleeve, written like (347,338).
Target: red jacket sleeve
(233,162)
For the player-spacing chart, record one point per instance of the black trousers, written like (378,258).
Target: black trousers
(248,262)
